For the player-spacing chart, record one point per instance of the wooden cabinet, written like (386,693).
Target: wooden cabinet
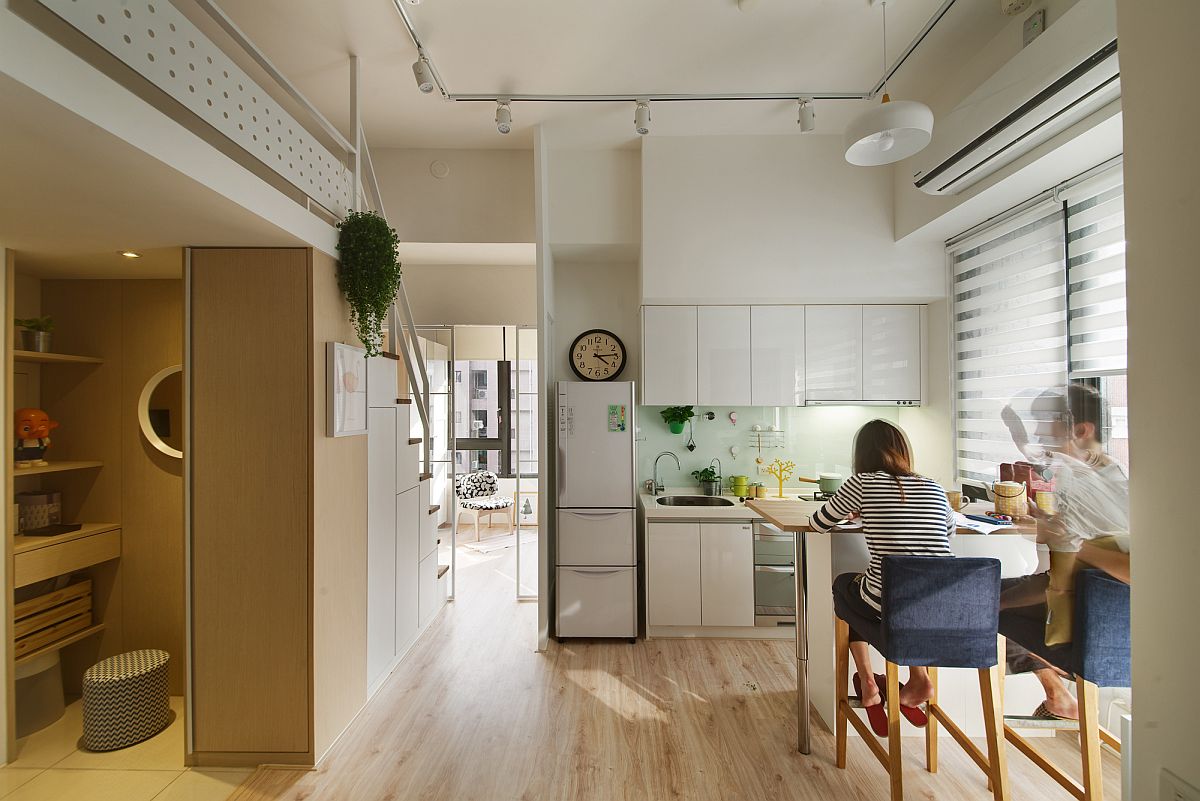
(726,574)
(673,574)
(723,355)
(669,355)
(891,354)
(833,353)
(776,355)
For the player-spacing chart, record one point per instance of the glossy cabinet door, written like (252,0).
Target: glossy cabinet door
(408,526)
(776,355)
(833,353)
(668,355)
(381,542)
(723,355)
(891,353)
(596,602)
(673,574)
(727,574)
(429,598)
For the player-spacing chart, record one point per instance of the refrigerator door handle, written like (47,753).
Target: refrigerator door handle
(582,513)
(597,571)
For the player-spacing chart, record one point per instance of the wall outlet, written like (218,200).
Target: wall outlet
(1173,788)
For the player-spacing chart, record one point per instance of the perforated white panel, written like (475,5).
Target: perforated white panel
(158,42)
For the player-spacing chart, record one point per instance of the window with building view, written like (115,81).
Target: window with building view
(500,432)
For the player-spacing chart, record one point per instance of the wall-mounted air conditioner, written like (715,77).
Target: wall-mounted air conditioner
(1067,73)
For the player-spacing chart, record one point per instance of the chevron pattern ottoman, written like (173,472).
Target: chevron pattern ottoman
(125,700)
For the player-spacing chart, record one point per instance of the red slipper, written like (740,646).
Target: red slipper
(913,714)
(876,714)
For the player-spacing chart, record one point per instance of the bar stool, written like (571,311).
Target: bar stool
(937,612)
(1098,656)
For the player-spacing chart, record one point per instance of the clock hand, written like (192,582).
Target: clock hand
(603,357)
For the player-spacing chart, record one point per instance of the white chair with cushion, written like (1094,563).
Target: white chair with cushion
(478,493)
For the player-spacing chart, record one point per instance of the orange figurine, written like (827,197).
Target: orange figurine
(33,437)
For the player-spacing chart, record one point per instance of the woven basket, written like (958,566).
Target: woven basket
(1011,498)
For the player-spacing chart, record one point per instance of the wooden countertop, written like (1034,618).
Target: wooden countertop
(792,515)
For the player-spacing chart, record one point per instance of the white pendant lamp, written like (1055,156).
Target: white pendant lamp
(890,132)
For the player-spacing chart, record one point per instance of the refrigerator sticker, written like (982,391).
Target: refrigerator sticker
(566,421)
(616,417)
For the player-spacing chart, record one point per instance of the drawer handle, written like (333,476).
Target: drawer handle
(596,571)
(790,569)
(593,514)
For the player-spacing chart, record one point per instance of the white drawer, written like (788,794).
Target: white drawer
(596,537)
(597,602)
(428,541)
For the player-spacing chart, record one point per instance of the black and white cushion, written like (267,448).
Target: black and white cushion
(479,491)
(125,700)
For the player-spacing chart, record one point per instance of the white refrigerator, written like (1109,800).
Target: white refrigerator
(596,562)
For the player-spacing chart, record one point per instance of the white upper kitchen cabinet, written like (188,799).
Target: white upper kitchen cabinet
(833,353)
(727,574)
(776,355)
(891,353)
(723,355)
(669,355)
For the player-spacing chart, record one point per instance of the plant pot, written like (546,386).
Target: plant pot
(710,487)
(37,341)
(676,428)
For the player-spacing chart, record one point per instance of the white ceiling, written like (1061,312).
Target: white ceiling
(617,46)
(74,196)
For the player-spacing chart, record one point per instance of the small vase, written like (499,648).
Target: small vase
(36,341)
(676,428)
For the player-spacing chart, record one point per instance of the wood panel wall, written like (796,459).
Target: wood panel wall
(251,453)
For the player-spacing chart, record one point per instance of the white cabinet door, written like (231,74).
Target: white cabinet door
(891,353)
(381,542)
(596,602)
(382,376)
(777,356)
(673,574)
(428,538)
(430,599)
(597,537)
(405,567)
(668,355)
(727,574)
(723,355)
(833,353)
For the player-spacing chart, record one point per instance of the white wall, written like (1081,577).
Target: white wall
(471,294)
(596,295)
(929,427)
(1162,204)
(597,197)
(773,219)
(487,197)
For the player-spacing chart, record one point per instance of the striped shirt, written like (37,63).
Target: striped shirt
(918,522)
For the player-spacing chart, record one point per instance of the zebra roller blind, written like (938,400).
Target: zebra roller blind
(1010,330)
(1096,275)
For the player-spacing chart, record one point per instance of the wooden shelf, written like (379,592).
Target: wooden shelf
(24,544)
(53,358)
(55,467)
(58,645)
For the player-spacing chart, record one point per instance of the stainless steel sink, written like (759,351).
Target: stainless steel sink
(693,500)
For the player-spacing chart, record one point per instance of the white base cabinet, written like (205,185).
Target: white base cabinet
(700,574)
(673,574)
(408,625)
(726,574)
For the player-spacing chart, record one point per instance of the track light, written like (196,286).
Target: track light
(503,117)
(422,73)
(641,117)
(807,119)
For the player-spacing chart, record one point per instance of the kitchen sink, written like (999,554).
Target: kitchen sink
(693,500)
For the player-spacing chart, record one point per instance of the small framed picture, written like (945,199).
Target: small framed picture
(346,400)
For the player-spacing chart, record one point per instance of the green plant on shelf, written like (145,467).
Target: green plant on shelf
(368,273)
(707,474)
(676,416)
(42,325)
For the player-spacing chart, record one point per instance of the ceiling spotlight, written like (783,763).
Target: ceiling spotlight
(641,117)
(807,119)
(503,117)
(129,254)
(422,73)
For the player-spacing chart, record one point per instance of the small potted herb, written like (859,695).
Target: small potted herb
(676,417)
(710,482)
(35,333)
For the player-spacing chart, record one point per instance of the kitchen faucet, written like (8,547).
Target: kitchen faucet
(658,485)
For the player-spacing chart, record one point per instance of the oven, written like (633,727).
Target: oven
(774,577)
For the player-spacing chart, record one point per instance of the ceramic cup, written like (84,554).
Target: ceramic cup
(956,500)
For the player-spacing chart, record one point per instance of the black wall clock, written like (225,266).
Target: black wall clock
(597,355)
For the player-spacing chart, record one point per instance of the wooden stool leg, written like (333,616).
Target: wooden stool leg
(993,723)
(1089,739)
(841,678)
(931,732)
(895,761)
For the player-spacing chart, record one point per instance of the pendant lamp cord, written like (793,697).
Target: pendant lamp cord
(885,64)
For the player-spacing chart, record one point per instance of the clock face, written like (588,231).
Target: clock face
(597,355)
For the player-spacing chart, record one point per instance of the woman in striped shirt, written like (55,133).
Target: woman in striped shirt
(903,514)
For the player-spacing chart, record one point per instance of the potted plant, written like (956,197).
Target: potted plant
(676,416)
(709,481)
(35,333)
(368,273)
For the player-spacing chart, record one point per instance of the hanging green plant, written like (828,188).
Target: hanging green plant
(368,273)
(676,416)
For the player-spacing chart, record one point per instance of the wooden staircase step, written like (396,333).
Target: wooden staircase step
(434,509)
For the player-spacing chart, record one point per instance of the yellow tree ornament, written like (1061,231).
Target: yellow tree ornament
(782,471)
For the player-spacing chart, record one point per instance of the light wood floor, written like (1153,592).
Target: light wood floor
(475,714)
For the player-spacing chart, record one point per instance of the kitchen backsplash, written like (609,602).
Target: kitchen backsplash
(819,439)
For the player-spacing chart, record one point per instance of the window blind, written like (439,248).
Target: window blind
(1010,330)
(1096,275)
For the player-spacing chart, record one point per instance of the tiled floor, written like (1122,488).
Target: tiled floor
(50,767)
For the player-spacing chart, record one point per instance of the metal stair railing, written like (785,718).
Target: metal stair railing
(404,339)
